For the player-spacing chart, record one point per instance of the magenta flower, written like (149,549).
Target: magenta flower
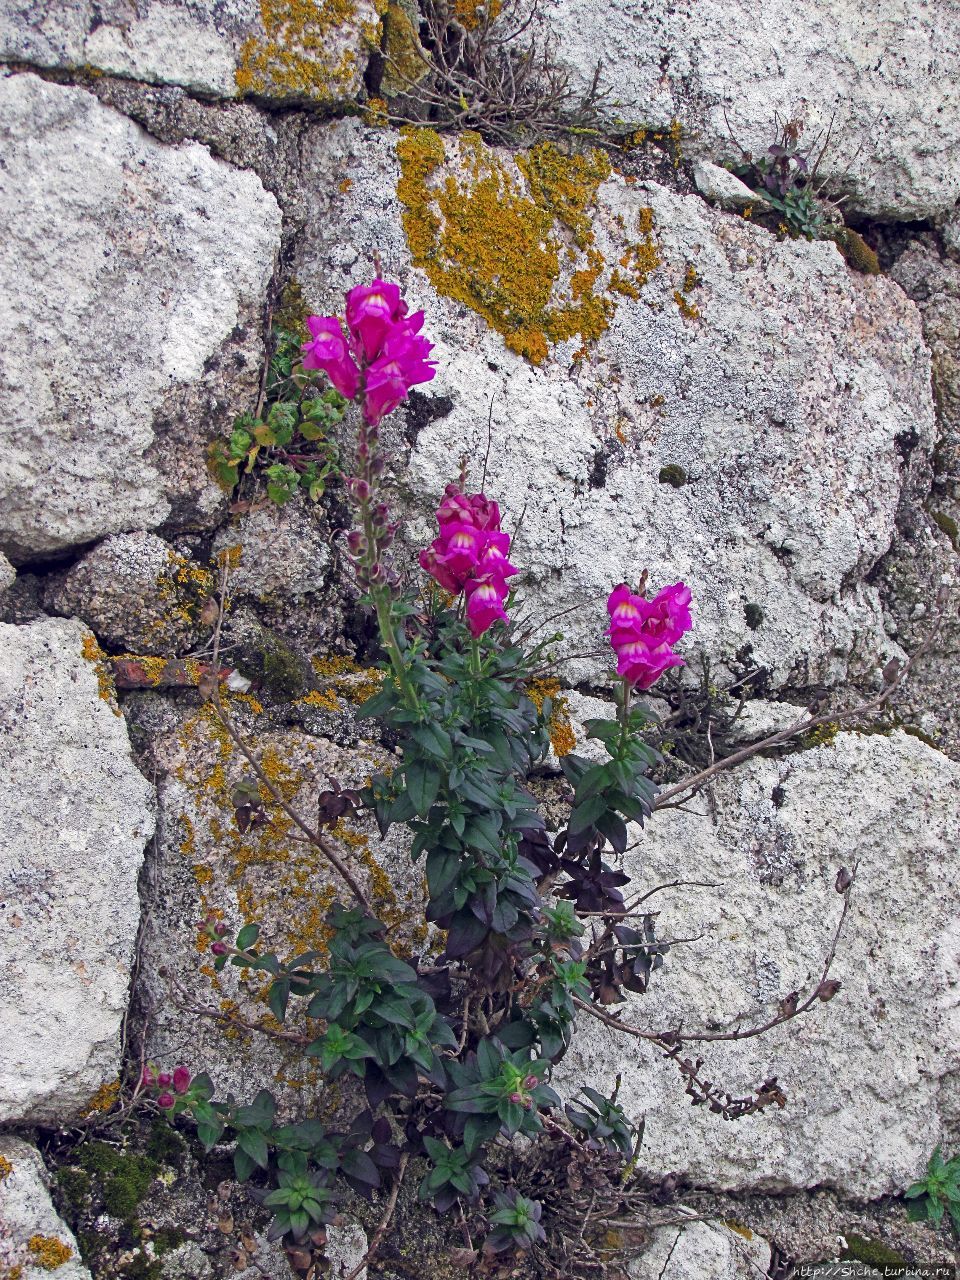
(164,1079)
(384,356)
(641,631)
(149,1078)
(181,1080)
(470,555)
(372,310)
(401,365)
(485,605)
(327,350)
(166,1100)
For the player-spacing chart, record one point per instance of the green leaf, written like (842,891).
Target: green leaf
(247,936)
(254,1144)
(434,740)
(423,785)
(586,814)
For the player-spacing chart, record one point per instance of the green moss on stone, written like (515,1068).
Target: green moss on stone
(873,1252)
(673,475)
(124,1177)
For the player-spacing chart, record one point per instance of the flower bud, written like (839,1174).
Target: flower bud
(218,949)
(181,1080)
(164,1079)
(220,930)
(359,488)
(356,542)
(531,1082)
(516,1099)
(166,1100)
(377,574)
(149,1078)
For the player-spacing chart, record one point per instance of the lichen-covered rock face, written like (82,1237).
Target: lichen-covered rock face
(76,814)
(132,263)
(315,51)
(34,1239)
(269,874)
(284,567)
(871,1077)
(137,593)
(699,398)
(726,69)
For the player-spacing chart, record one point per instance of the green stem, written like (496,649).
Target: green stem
(381,603)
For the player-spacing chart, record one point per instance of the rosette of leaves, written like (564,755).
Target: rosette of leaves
(289,441)
(937,1193)
(453,1176)
(515,1222)
(497,1092)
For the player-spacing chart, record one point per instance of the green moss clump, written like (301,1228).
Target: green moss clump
(673,475)
(873,1252)
(124,1177)
(267,660)
(75,1187)
(857,252)
(753,615)
(947,525)
(165,1145)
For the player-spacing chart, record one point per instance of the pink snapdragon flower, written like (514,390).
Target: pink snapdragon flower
(382,355)
(327,350)
(642,631)
(470,555)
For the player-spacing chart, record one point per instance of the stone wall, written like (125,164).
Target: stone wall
(648,377)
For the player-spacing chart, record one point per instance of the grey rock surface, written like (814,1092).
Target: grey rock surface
(701,1249)
(724,188)
(781,396)
(8,574)
(76,814)
(137,593)
(27,1214)
(130,264)
(282,49)
(871,1077)
(725,69)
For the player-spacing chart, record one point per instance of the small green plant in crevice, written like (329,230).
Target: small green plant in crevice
(786,180)
(286,440)
(937,1194)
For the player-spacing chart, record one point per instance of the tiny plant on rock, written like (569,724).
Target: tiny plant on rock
(450,1058)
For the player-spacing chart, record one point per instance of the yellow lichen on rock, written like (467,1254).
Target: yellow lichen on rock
(104,1100)
(471,13)
(310,48)
(6,1168)
(562,738)
(512,240)
(49,1253)
(105,687)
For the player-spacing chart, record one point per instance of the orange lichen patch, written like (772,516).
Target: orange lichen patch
(344,185)
(105,686)
(687,308)
(376,113)
(470,14)
(503,237)
(49,1252)
(562,738)
(325,699)
(310,49)
(344,677)
(104,1100)
(6,1168)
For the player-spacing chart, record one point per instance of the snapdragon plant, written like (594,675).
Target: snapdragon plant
(454,1057)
